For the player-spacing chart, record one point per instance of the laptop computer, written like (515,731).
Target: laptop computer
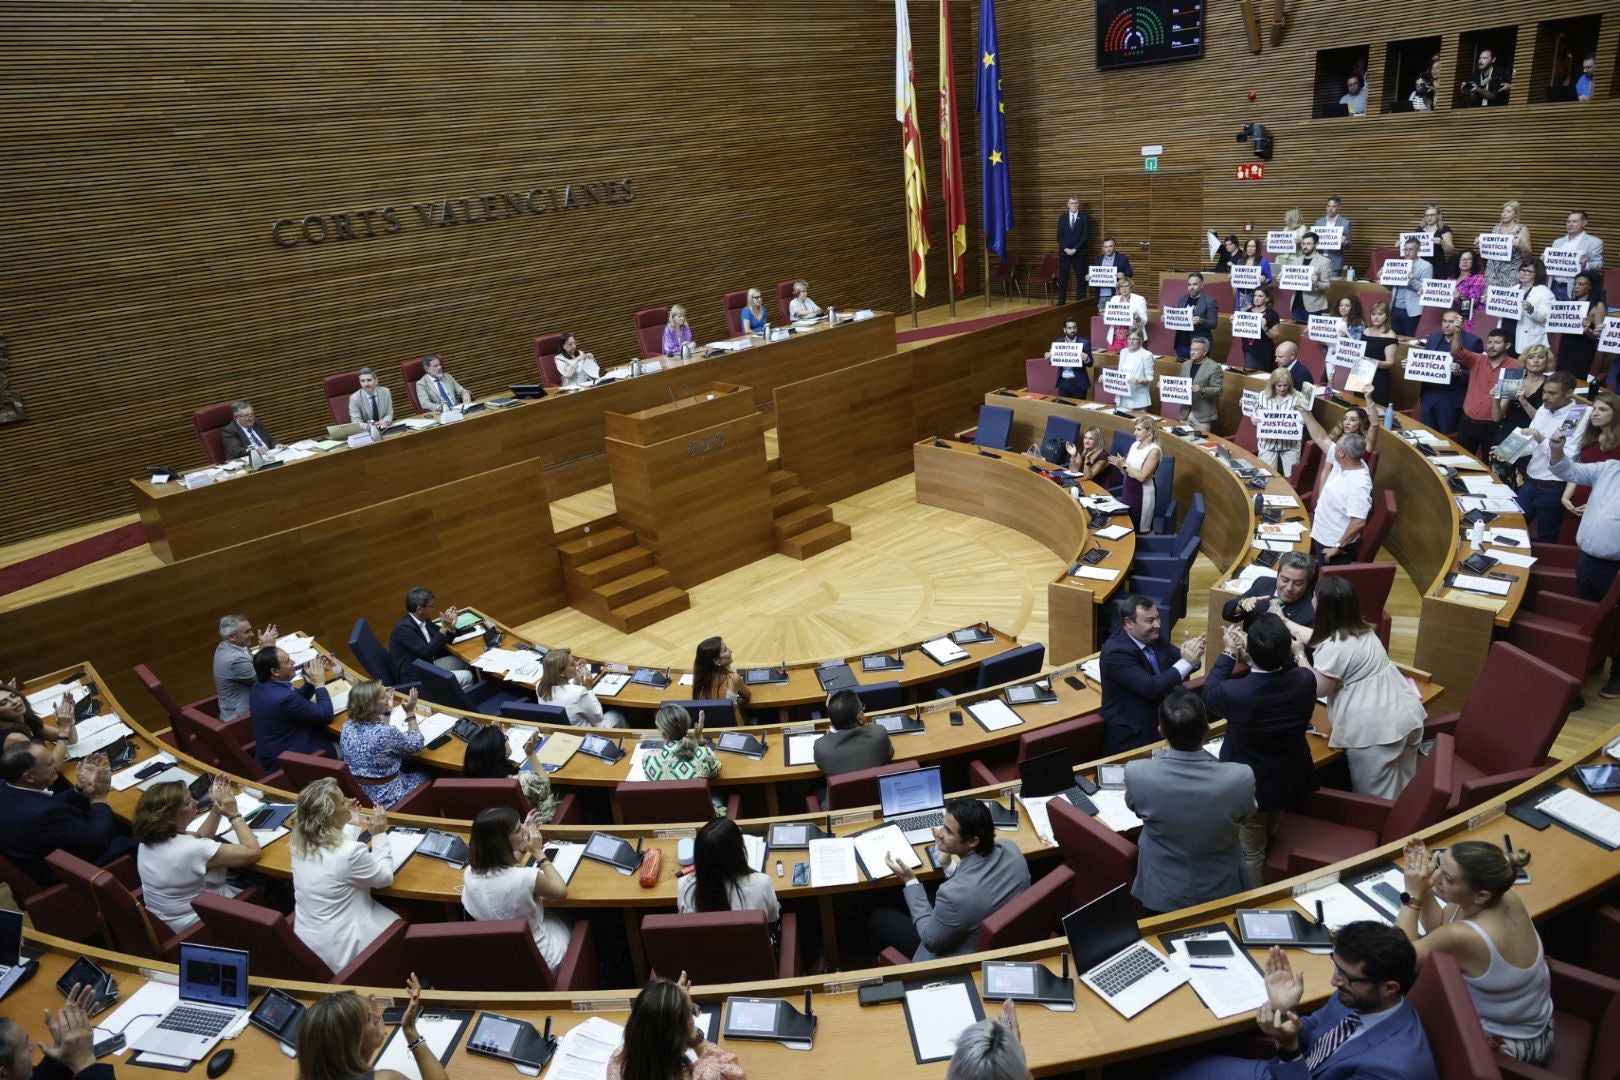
(12,968)
(915,801)
(1112,958)
(1053,774)
(213,996)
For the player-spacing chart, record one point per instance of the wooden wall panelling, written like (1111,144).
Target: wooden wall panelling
(155,145)
(483,540)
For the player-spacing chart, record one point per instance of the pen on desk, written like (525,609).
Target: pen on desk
(1208,967)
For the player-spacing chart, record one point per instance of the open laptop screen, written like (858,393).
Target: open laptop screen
(1046,774)
(11,928)
(1101,928)
(214,976)
(911,792)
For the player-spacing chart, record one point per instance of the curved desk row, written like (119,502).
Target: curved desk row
(871,1041)
(183,522)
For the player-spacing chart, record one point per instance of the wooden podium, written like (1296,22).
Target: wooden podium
(689,477)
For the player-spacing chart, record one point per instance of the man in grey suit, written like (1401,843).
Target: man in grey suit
(1207,376)
(233,663)
(981,874)
(437,391)
(852,744)
(372,405)
(1191,807)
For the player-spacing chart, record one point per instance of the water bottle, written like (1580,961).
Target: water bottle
(1476,535)
(686,351)
(1349,273)
(832,320)
(767,331)
(255,459)
(635,367)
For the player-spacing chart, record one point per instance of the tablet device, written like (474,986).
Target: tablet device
(278,1014)
(510,1039)
(85,972)
(1030,694)
(600,746)
(1599,779)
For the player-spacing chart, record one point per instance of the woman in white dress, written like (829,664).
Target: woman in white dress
(1136,364)
(496,885)
(577,369)
(1140,465)
(1377,717)
(175,865)
(333,874)
(561,684)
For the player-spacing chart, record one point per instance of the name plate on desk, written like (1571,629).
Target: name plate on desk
(361,438)
(1324,328)
(1177,318)
(1429,366)
(1329,237)
(1248,324)
(1068,353)
(450,416)
(1280,242)
(1395,272)
(1244,276)
(197,479)
(1102,277)
(1297,278)
(1425,243)
(1439,292)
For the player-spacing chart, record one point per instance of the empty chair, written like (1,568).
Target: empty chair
(784,299)
(851,789)
(1040,377)
(995,427)
(1192,526)
(1006,274)
(1376,262)
(411,371)
(652,802)
(1566,631)
(1175,570)
(369,651)
(122,918)
(440,687)
(184,735)
(1045,275)
(1010,666)
(650,324)
(734,304)
(301,770)
(875,697)
(462,799)
(209,422)
(1081,736)
(1332,825)
(499,955)
(1310,465)
(222,746)
(1458,1042)
(1385,507)
(56,909)
(536,712)
(279,953)
(1246,436)
(717,712)
(337,389)
(1101,858)
(1164,502)
(1065,431)
(546,348)
(720,946)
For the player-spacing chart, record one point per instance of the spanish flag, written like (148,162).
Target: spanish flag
(905,111)
(950,153)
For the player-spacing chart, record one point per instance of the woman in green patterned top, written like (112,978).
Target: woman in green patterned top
(683,755)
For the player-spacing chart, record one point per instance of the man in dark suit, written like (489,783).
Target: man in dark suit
(1288,594)
(852,744)
(244,433)
(1110,257)
(1373,967)
(421,635)
(40,813)
(1439,404)
(1138,671)
(1073,230)
(286,717)
(1205,314)
(1191,807)
(1268,714)
(70,1053)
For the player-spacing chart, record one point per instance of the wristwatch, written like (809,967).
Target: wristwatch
(1407,900)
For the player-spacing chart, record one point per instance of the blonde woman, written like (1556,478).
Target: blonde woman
(175,865)
(375,750)
(1136,364)
(754,315)
(341,1034)
(334,871)
(1294,224)
(1505,272)
(1381,342)
(801,306)
(1140,465)
(1516,412)
(562,683)
(1281,455)
(1444,258)
(677,333)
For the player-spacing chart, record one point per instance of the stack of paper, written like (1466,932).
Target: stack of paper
(756,848)
(611,683)
(43,702)
(994,714)
(1489,586)
(801,747)
(583,1052)
(401,844)
(1112,532)
(1039,819)
(431,727)
(1246,577)
(1227,985)
(98,733)
(1584,813)
(1092,669)
(125,779)
(832,862)
(1282,530)
(495,660)
(246,805)
(300,648)
(944,651)
(1457,461)
(1511,558)
(1280,501)
(338,690)
(1094,573)
(873,845)
(517,737)
(1112,811)
(638,762)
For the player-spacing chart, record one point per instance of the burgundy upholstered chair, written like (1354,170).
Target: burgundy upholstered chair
(278,952)
(122,918)
(650,323)
(1082,737)
(1100,858)
(651,802)
(209,422)
(720,946)
(56,909)
(301,770)
(851,789)
(733,308)
(410,371)
(463,799)
(546,348)
(498,955)
(1458,1042)
(337,389)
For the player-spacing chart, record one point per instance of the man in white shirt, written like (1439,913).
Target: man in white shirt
(1599,535)
(1343,506)
(1333,217)
(1541,495)
(1588,250)
(1355,96)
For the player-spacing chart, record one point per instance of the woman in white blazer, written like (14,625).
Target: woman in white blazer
(333,874)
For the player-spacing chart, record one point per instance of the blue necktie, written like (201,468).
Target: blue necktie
(1153,661)
(444,395)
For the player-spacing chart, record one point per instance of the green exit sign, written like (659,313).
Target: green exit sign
(1150,164)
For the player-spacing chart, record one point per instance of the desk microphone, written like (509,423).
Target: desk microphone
(1321,917)
(807,993)
(546,1035)
(1065,976)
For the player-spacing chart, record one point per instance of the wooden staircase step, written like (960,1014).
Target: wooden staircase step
(789,499)
(618,564)
(805,517)
(633,586)
(781,480)
(596,545)
(648,609)
(813,541)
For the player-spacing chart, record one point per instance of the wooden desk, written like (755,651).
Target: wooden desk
(557,429)
(1002,488)
(872,1041)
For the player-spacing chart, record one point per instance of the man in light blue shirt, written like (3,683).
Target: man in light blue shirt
(1599,534)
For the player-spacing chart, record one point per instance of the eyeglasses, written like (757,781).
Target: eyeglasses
(1348,978)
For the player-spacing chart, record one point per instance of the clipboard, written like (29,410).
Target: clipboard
(1213,929)
(392,1054)
(965,981)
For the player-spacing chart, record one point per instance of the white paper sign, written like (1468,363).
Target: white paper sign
(1498,246)
(1117,312)
(1428,366)
(1248,324)
(1504,302)
(1567,316)
(1296,278)
(1280,242)
(1114,381)
(1609,340)
(1561,262)
(1250,403)
(361,438)
(1177,318)
(1424,240)
(1395,272)
(1439,292)
(1360,379)
(1279,424)
(1329,237)
(1102,277)
(1245,276)
(1347,351)
(1175,390)
(1324,328)
(1068,353)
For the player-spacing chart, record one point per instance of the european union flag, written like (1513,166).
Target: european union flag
(998,215)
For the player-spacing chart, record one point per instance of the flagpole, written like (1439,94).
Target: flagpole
(911,288)
(987,274)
